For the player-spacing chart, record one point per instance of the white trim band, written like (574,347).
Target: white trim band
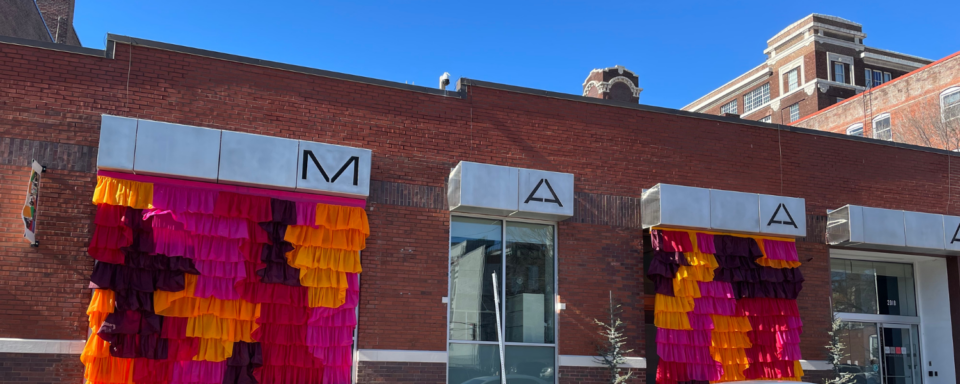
(69,347)
(591,361)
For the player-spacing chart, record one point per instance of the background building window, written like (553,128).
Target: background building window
(868,78)
(882,128)
(766,120)
(950,104)
(877,78)
(755,98)
(524,258)
(839,99)
(730,107)
(794,112)
(840,72)
(887,77)
(855,130)
(793,79)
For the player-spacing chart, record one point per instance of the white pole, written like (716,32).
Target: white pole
(496,301)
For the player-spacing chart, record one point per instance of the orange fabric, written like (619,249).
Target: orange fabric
(323,278)
(729,356)
(214,350)
(212,327)
(730,340)
(697,273)
(337,217)
(672,320)
(733,372)
(326,297)
(666,303)
(106,368)
(316,257)
(162,300)
(731,324)
(349,239)
(779,264)
(797,371)
(102,303)
(686,288)
(128,193)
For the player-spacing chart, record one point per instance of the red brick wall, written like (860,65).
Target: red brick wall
(401,373)
(25,368)
(56,97)
(597,375)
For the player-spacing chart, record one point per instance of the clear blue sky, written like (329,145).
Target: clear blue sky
(681,50)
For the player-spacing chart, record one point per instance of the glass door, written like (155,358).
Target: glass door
(901,354)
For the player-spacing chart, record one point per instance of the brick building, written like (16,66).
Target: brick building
(811,64)
(48,21)
(920,108)
(593,157)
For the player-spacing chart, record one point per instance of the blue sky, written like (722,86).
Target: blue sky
(681,50)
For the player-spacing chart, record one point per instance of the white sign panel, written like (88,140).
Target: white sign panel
(544,194)
(507,191)
(333,169)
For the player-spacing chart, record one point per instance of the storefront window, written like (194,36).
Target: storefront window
(526,277)
(873,287)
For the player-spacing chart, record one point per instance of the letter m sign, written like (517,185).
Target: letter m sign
(333,170)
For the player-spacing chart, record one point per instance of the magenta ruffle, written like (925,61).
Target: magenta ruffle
(289,355)
(684,337)
(325,336)
(253,208)
(717,289)
(148,371)
(780,250)
(766,307)
(705,243)
(333,355)
(672,371)
(223,269)
(337,375)
(199,247)
(671,241)
(219,287)
(109,215)
(776,323)
(332,317)
(256,292)
(778,369)
(680,353)
(281,334)
(283,314)
(714,306)
(198,372)
(307,214)
(211,225)
(179,199)
(289,375)
(700,321)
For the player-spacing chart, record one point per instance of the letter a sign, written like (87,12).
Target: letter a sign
(786,212)
(783,215)
(545,195)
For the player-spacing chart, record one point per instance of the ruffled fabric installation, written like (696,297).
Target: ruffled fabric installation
(725,307)
(201,285)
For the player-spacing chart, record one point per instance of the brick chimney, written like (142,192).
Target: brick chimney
(614,83)
(58,15)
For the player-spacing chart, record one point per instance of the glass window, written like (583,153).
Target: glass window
(882,129)
(755,98)
(863,351)
(524,257)
(877,77)
(475,253)
(873,287)
(886,77)
(868,78)
(794,112)
(529,284)
(767,119)
(730,107)
(793,79)
(855,130)
(839,72)
(951,104)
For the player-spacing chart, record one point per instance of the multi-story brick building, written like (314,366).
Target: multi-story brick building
(811,64)
(546,189)
(920,108)
(41,20)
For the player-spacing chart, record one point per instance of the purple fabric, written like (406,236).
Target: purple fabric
(284,211)
(276,269)
(706,243)
(120,277)
(246,357)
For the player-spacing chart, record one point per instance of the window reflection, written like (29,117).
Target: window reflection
(529,283)
(475,254)
(873,287)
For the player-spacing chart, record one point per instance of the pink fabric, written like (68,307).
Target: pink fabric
(184,184)
(256,292)
(174,328)
(283,374)
(673,371)
(684,337)
(718,289)
(179,199)
(705,243)
(684,353)
(172,243)
(289,355)
(219,287)
(675,241)
(333,355)
(307,214)
(332,317)
(789,352)
(324,336)
(210,268)
(776,323)
(788,337)
(163,219)
(210,225)
(283,314)
(198,372)
(700,321)
(109,215)
(780,250)
(767,307)
(281,334)
(714,306)
(337,375)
